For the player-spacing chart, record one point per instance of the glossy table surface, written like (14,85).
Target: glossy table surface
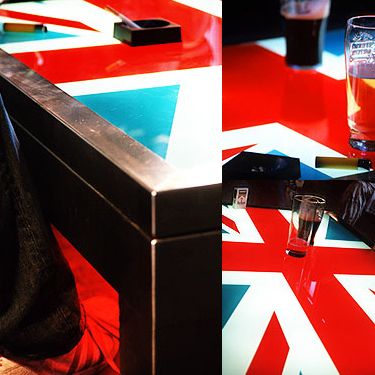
(271,108)
(286,315)
(130,210)
(167,96)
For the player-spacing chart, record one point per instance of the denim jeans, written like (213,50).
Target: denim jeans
(39,309)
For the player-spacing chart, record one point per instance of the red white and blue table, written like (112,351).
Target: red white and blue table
(273,109)
(122,144)
(287,315)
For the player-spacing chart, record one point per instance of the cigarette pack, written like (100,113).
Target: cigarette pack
(240,196)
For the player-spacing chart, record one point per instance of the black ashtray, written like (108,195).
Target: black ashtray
(254,166)
(151,31)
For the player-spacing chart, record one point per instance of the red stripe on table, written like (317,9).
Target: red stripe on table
(80,64)
(229,223)
(272,352)
(258,88)
(234,151)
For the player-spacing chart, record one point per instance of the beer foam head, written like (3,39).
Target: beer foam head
(305,9)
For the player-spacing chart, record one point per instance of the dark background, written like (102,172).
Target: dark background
(259,19)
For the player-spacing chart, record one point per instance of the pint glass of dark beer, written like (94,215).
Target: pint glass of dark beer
(305,26)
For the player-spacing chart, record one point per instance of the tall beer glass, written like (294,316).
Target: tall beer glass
(307,212)
(305,26)
(360,81)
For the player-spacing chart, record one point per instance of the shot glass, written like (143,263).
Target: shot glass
(307,212)
(305,27)
(360,81)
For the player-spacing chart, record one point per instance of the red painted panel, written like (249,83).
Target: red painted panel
(229,223)
(258,88)
(109,61)
(200,47)
(233,151)
(272,352)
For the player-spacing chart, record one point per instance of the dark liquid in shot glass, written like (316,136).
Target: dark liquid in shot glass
(315,226)
(305,237)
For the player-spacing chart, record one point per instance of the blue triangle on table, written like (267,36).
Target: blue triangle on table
(13,37)
(224,231)
(334,42)
(336,231)
(307,172)
(146,115)
(231,297)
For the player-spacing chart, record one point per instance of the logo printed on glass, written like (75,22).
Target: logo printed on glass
(362,48)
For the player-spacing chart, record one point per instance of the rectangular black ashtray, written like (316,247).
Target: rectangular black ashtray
(151,31)
(254,166)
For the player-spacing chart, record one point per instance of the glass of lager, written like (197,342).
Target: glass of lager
(360,81)
(305,27)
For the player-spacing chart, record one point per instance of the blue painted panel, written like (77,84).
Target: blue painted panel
(145,114)
(334,42)
(12,37)
(336,231)
(231,296)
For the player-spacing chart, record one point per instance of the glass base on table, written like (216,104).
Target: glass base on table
(296,254)
(362,145)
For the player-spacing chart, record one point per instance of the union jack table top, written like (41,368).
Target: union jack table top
(271,108)
(286,315)
(126,216)
(166,96)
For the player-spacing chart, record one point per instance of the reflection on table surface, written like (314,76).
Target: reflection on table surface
(295,315)
(273,109)
(161,95)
